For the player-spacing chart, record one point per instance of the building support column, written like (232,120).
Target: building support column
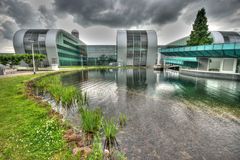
(159,58)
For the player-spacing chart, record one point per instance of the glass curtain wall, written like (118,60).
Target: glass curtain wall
(38,37)
(70,51)
(137,45)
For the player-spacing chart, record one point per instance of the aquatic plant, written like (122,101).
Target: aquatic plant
(91,120)
(110,132)
(122,119)
(68,95)
(56,92)
(97,151)
(117,155)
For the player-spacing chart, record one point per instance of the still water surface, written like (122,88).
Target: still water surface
(160,126)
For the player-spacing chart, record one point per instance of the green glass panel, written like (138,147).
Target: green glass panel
(200,48)
(228,46)
(208,47)
(187,48)
(181,49)
(217,46)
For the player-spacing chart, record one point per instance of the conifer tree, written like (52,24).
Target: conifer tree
(200,34)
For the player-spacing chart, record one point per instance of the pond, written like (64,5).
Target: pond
(160,125)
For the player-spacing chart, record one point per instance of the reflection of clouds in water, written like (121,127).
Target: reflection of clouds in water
(223,84)
(159,125)
(100,91)
(228,90)
(165,88)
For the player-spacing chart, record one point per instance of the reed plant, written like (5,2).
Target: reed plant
(68,95)
(122,120)
(91,120)
(117,155)
(56,92)
(110,132)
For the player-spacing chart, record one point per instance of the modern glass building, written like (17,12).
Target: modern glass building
(101,54)
(60,47)
(137,47)
(223,56)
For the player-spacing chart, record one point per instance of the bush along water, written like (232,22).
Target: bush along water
(66,96)
(88,142)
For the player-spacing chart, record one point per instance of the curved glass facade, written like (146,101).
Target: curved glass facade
(137,45)
(230,37)
(60,47)
(37,36)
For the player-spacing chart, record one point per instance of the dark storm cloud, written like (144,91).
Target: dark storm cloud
(21,12)
(217,10)
(23,15)
(8,29)
(222,8)
(122,13)
(47,17)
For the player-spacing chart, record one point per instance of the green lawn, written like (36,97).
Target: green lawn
(27,131)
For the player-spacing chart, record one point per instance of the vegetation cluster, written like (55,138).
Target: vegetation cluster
(15,59)
(93,124)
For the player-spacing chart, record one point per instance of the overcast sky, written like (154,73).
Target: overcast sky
(98,20)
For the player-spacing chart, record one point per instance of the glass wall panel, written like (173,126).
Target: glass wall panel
(137,45)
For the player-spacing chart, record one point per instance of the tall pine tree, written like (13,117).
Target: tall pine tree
(200,34)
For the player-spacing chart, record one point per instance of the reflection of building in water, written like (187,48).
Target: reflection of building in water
(140,77)
(136,78)
(70,79)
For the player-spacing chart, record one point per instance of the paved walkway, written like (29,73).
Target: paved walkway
(21,73)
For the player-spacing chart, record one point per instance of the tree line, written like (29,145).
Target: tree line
(15,59)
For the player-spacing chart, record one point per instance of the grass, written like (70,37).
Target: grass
(26,129)
(91,120)
(97,151)
(110,129)
(68,95)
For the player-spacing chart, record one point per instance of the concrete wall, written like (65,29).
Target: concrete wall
(122,47)
(206,74)
(152,48)
(51,47)
(214,64)
(203,64)
(229,65)
(18,41)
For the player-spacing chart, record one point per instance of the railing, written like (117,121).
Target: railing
(213,50)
